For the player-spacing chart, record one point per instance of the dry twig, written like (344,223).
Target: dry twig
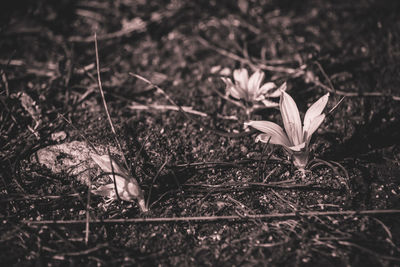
(221,218)
(332,90)
(246,61)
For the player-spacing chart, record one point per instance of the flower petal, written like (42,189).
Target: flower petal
(232,89)
(312,127)
(105,163)
(271,130)
(228,82)
(269,104)
(291,118)
(283,87)
(266,87)
(314,111)
(241,77)
(254,83)
(127,186)
(298,147)
(270,90)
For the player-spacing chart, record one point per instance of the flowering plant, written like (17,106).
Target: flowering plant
(127,187)
(296,137)
(250,89)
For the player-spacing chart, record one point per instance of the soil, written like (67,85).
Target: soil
(205,178)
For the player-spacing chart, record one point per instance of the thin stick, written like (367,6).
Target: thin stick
(212,163)
(222,218)
(364,249)
(337,104)
(355,94)
(35,197)
(136,106)
(88,211)
(246,61)
(250,185)
(105,103)
(138,27)
(154,180)
(113,174)
(83,252)
(321,69)
(4,78)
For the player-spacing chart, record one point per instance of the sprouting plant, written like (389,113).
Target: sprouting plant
(250,90)
(127,187)
(296,137)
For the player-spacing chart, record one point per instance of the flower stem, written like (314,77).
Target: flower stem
(300,159)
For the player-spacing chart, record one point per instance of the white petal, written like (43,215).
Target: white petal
(228,82)
(270,90)
(271,130)
(255,82)
(237,92)
(291,119)
(105,162)
(312,127)
(232,89)
(314,111)
(269,104)
(267,87)
(283,87)
(297,147)
(241,77)
(129,190)
(127,186)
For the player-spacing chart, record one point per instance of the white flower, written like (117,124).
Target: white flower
(296,136)
(250,89)
(127,186)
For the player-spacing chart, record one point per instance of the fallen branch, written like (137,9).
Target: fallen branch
(235,218)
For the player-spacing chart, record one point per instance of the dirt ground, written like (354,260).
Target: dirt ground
(216,197)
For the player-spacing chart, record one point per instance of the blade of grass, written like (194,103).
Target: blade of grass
(105,103)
